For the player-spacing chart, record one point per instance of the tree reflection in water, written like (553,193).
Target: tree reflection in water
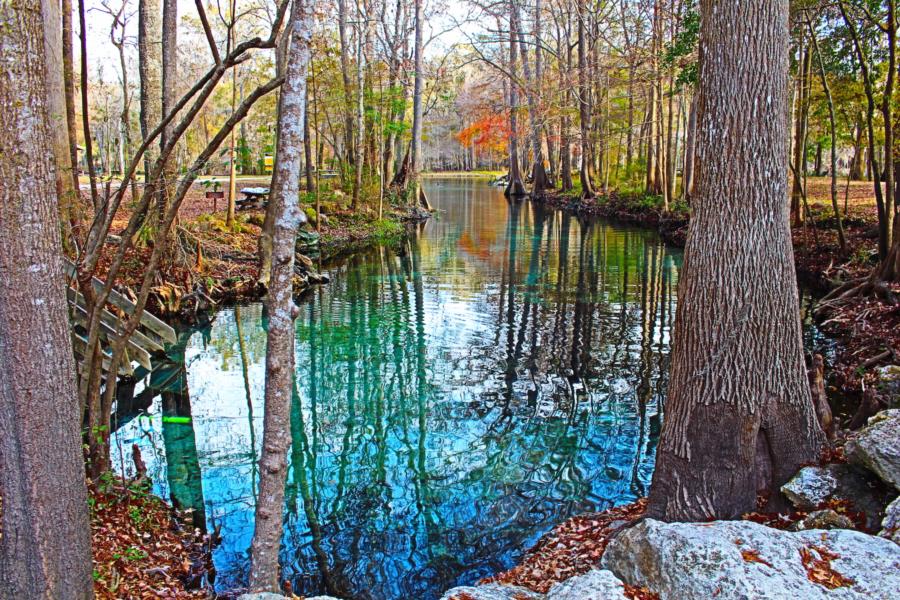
(454,400)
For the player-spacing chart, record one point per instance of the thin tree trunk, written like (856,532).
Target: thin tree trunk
(150,70)
(565,150)
(514,188)
(584,107)
(66,184)
(856,165)
(359,150)
(281,309)
(85,115)
(689,150)
(169,98)
(232,159)
(739,414)
(45,544)
(868,86)
(415,163)
(345,75)
(842,240)
(69,87)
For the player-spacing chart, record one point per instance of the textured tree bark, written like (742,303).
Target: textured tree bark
(150,72)
(842,240)
(56,105)
(800,134)
(565,151)
(540,183)
(739,415)
(415,151)
(584,107)
(514,188)
(689,151)
(345,73)
(69,87)
(169,98)
(45,540)
(281,308)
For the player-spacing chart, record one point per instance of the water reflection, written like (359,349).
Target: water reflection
(454,400)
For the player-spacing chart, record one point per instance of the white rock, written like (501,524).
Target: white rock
(890,526)
(877,447)
(810,487)
(705,560)
(491,591)
(593,585)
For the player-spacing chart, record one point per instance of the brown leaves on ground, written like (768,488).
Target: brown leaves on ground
(785,521)
(752,555)
(639,593)
(572,548)
(139,550)
(817,562)
(462,596)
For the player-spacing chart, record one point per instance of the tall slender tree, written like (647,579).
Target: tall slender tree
(281,308)
(150,71)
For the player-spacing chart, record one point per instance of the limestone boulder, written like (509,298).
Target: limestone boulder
(877,447)
(742,560)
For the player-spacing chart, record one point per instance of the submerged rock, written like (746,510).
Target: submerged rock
(491,591)
(593,585)
(877,447)
(740,560)
(890,526)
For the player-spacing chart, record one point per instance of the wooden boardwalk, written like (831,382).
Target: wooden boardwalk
(152,336)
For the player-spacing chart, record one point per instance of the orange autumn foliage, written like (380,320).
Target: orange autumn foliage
(489,133)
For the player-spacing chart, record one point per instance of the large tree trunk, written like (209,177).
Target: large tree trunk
(150,71)
(45,540)
(281,308)
(739,415)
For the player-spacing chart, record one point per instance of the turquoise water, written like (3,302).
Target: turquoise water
(454,400)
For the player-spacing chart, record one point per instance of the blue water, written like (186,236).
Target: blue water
(454,401)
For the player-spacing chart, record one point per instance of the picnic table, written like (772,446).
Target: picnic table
(255,197)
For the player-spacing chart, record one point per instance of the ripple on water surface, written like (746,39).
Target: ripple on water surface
(453,401)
